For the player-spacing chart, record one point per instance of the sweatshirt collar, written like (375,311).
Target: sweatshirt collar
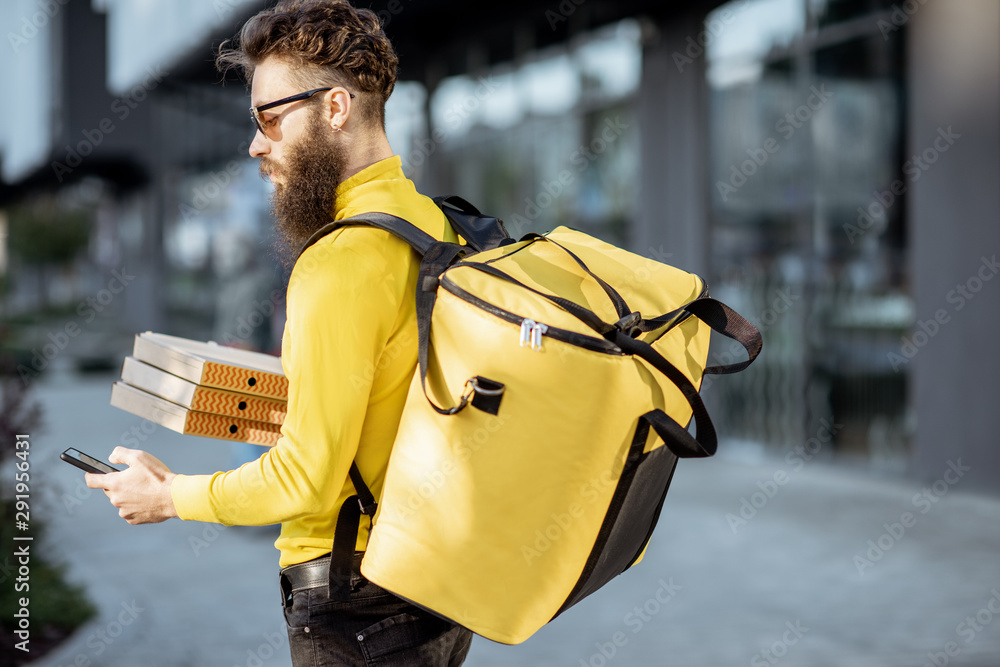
(391,168)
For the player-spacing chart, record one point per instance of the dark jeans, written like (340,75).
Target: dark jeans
(374,628)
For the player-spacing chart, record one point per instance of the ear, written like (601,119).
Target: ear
(340,104)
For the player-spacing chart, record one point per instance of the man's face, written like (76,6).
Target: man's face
(286,125)
(301,155)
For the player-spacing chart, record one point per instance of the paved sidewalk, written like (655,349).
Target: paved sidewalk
(798,583)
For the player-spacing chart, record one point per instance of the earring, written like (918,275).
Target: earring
(337,130)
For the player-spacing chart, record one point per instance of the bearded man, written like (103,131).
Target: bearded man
(321,73)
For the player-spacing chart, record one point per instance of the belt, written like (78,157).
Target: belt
(311,574)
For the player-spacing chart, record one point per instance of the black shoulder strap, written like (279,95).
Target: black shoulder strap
(418,239)
(437,256)
(481,232)
(345,536)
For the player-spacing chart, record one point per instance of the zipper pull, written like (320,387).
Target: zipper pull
(536,335)
(526,328)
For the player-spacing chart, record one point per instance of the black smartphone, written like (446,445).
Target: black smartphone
(86,463)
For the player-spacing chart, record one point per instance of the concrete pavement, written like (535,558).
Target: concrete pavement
(754,562)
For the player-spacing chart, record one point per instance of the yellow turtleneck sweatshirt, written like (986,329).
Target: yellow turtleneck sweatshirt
(349,351)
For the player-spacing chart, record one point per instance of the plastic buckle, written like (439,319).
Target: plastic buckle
(629,325)
(367,510)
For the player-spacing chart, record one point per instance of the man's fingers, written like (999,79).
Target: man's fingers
(124,455)
(95,480)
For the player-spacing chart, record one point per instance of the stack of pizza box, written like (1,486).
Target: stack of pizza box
(204,389)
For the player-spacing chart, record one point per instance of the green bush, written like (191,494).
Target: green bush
(56,608)
(45,234)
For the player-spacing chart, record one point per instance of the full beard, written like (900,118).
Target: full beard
(304,200)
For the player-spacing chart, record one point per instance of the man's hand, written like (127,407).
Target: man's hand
(142,492)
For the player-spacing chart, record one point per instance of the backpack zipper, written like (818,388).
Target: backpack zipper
(532,331)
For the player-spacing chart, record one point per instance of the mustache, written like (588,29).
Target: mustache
(265,167)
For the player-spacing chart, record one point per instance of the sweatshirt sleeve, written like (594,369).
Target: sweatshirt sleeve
(341,311)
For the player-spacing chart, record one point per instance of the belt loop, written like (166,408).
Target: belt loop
(286,589)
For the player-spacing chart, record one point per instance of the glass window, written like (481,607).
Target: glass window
(550,142)
(809,220)
(830,12)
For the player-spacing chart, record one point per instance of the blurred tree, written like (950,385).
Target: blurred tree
(18,413)
(45,235)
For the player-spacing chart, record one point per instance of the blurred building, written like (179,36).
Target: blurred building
(832,167)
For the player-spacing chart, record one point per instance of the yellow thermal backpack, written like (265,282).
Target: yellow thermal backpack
(556,376)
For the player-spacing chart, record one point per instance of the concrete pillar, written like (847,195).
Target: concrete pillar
(143,258)
(672,216)
(954,75)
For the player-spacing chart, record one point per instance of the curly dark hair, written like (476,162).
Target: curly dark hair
(329,41)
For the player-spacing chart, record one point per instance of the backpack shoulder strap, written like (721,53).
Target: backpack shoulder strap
(418,239)
(363,502)
(481,233)
(345,535)
(437,256)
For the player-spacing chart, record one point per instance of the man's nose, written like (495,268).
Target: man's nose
(260,146)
